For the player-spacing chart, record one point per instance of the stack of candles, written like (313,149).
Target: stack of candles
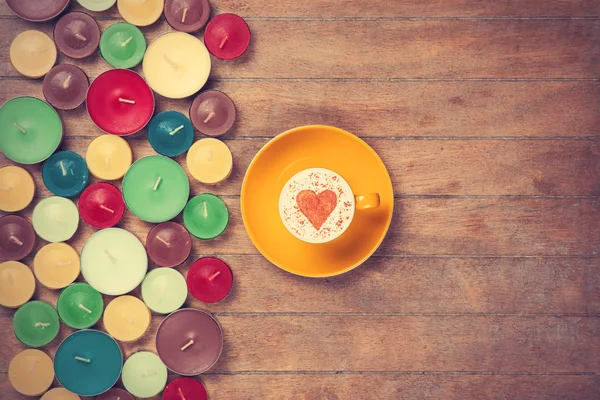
(156,189)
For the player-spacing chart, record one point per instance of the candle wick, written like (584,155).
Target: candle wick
(209,155)
(173,64)
(166,242)
(42,324)
(205,210)
(185,11)
(58,219)
(122,100)
(181,394)
(40,50)
(107,161)
(85,308)
(62,167)
(157,183)
(16,240)
(60,264)
(213,276)
(80,36)
(20,128)
(146,374)
(35,363)
(209,117)
(225,39)
(5,188)
(188,344)
(85,360)
(110,210)
(127,41)
(118,398)
(67,81)
(174,131)
(112,258)
(11,280)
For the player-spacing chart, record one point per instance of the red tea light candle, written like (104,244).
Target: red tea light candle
(168,244)
(77,35)
(209,280)
(101,205)
(120,102)
(37,10)
(212,113)
(187,15)
(17,238)
(65,87)
(227,36)
(185,388)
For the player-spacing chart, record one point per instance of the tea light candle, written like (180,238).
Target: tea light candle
(189,341)
(65,174)
(59,394)
(36,323)
(108,157)
(56,265)
(37,10)
(31,130)
(115,394)
(209,161)
(32,53)
(55,219)
(155,189)
(80,306)
(113,261)
(168,244)
(77,35)
(17,237)
(206,216)
(101,205)
(88,362)
(209,280)
(164,290)
(140,13)
(227,36)
(122,45)
(185,388)
(65,87)
(17,188)
(144,374)
(31,372)
(213,113)
(170,133)
(17,284)
(187,15)
(176,65)
(126,318)
(97,5)
(120,102)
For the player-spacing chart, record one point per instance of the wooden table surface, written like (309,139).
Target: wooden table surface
(486,115)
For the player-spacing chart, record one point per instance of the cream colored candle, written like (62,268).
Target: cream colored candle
(33,53)
(56,265)
(209,161)
(16,188)
(31,372)
(17,284)
(126,318)
(59,394)
(108,157)
(140,12)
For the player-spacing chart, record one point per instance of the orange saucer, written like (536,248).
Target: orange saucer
(315,147)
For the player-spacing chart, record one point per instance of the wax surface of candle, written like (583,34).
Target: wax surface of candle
(16,188)
(31,130)
(59,394)
(213,113)
(140,13)
(17,284)
(156,188)
(97,5)
(113,261)
(206,216)
(56,265)
(36,323)
(55,219)
(65,86)
(209,279)
(144,374)
(31,372)
(17,237)
(187,15)
(176,65)
(168,244)
(164,290)
(126,318)
(32,53)
(108,157)
(227,36)
(77,35)
(65,174)
(84,378)
(115,394)
(185,388)
(209,161)
(101,205)
(80,306)
(37,10)
(170,133)
(123,45)
(120,102)
(180,329)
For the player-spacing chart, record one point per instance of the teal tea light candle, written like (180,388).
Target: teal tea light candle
(31,130)
(36,324)
(97,5)
(122,45)
(164,290)
(144,374)
(206,216)
(55,219)
(170,133)
(80,306)
(156,189)
(114,261)
(88,362)
(65,174)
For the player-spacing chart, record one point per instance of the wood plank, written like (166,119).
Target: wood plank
(448,49)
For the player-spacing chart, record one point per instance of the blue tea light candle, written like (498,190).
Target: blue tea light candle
(170,133)
(88,362)
(65,174)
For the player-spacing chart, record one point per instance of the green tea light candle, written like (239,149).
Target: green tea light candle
(31,130)
(156,189)
(164,290)
(144,374)
(36,324)
(170,133)
(122,45)
(97,5)
(206,216)
(55,219)
(80,306)
(65,174)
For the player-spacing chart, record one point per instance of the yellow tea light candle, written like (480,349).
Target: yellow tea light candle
(31,372)
(16,188)
(56,265)
(33,53)
(126,318)
(140,12)
(60,394)
(108,157)
(17,284)
(209,161)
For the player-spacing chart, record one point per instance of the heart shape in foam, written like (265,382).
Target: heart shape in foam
(317,207)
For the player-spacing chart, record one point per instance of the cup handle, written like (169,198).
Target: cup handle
(367,201)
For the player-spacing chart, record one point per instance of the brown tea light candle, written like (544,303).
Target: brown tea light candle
(77,35)
(213,113)
(187,15)
(37,10)
(168,244)
(65,87)
(17,238)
